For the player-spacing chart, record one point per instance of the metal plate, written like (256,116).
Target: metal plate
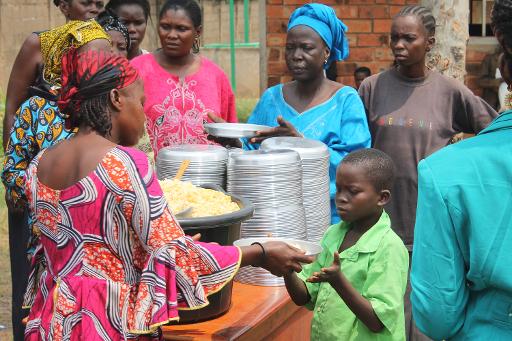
(262,158)
(233,130)
(307,148)
(193,152)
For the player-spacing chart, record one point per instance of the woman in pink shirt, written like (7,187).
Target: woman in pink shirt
(183,89)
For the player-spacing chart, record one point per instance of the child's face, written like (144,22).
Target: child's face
(118,43)
(356,197)
(359,77)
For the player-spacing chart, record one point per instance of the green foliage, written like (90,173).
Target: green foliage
(244,107)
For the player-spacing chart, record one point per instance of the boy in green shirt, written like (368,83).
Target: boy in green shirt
(357,284)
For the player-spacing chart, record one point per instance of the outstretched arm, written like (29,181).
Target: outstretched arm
(296,289)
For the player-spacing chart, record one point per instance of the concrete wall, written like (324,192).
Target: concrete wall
(216,30)
(247,68)
(18,18)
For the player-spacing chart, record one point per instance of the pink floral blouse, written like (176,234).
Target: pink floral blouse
(176,109)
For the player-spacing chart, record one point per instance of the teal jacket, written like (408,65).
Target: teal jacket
(461,273)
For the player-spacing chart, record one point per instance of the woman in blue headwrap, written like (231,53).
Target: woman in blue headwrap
(311,105)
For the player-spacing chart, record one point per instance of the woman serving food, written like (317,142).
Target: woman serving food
(107,233)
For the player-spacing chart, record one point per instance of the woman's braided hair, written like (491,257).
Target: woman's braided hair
(424,14)
(94,112)
(87,81)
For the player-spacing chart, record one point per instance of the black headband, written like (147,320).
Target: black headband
(110,22)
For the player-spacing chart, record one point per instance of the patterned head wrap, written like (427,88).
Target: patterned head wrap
(323,20)
(110,22)
(54,43)
(92,74)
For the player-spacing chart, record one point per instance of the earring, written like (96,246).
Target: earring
(508,101)
(195,45)
(326,59)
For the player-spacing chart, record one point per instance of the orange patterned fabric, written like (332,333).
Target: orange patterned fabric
(113,262)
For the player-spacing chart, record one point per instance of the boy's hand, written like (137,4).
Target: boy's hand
(331,274)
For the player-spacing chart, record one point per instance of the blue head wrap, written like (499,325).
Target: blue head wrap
(323,20)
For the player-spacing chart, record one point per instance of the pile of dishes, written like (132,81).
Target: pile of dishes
(272,181)
(207,163)
(315,180)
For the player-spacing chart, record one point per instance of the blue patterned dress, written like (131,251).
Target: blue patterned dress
(38,124)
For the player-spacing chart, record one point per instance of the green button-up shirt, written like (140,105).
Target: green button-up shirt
(377,267)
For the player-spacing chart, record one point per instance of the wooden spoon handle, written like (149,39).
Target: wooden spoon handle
(182,169)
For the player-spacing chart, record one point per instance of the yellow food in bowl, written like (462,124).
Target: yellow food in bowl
(204,202)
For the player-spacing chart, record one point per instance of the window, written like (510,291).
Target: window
(480,18)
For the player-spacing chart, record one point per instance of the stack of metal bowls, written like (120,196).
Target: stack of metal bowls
(315,180)
(207,163)
(272,181)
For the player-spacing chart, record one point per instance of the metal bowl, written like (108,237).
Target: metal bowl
(307,148)
(311,248)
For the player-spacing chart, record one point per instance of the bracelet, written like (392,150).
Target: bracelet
(263,255)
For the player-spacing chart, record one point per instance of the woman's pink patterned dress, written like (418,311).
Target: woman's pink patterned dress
(176,109)
(113,263)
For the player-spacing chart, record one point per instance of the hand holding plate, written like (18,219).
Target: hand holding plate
(284,128)
(223,141)
(282,258)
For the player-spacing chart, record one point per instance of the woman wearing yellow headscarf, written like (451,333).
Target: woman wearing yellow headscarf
(38,123)
(27,65)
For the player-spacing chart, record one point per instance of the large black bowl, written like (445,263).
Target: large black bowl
(224,230)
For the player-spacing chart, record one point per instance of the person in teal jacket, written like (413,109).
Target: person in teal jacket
(461,274)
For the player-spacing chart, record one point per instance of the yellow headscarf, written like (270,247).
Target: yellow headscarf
(55,42)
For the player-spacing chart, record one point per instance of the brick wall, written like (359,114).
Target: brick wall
(368,24)
(475,53)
